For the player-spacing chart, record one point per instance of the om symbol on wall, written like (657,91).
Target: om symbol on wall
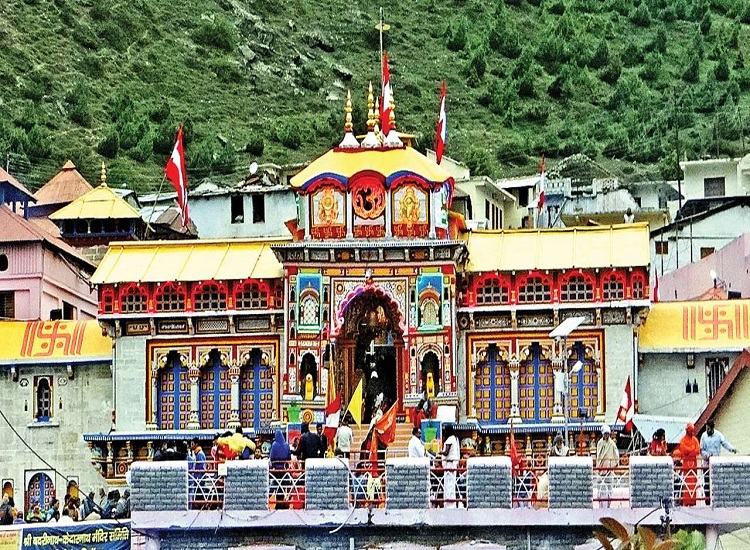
(368,198)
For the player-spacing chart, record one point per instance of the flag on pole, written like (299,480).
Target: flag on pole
(441,132)
(387,98)
(655,297)
(385,428)
(333,416)
(627,407)
(515,459)
(540,202)
(355,405)
(176,172)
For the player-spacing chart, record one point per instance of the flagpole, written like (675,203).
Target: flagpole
(153,208)
(381,47)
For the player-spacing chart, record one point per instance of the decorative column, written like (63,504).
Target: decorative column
(109,470)
(308,213)
(154,372)
(515,370)
(349,221)
(194,374)
(599,416)
(558,364)
(234,411)
(432,214)
(388,215)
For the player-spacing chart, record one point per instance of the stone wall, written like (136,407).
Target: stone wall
(131,366)
(489,483)
(246,486)
(408,483)
(159,486)
(729,477)
(570,482)
(326,484)
(651,480)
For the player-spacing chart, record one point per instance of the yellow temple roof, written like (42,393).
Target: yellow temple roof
(41,342)
(203,260)
(342,164)
(98,204)
(623,245)
(714,325)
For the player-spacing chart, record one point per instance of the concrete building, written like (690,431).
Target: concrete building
(55,384)
(712,178)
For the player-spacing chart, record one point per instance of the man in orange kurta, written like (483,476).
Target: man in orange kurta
(688,451)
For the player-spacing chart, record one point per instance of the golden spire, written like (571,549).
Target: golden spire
(392,116)
(103,176)
(376,128)
(349,140)
(370,109)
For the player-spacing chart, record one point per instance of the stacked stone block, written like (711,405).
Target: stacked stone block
(159,486)
(407,483)
(489,482)
(729,477)
(246,485)
(651,480)
(326,484)
(571,482)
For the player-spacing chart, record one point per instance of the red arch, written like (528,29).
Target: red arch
(359,290)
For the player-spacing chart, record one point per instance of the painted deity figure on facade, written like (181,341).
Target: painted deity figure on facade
(328,208)
(409,207)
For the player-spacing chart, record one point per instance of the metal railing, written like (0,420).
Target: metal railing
(611,487)
(447,484)
(367,484)
(206,486)
(531,488)
(286,485)
(691,486)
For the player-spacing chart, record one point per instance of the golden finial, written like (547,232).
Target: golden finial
(370,109)
(103,176)
(377,119)
(348,126)
(392,116)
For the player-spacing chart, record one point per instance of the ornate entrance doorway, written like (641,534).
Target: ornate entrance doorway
(370,348)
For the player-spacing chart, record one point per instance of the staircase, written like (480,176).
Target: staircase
(397,448)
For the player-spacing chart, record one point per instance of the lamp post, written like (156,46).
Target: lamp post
(561,332)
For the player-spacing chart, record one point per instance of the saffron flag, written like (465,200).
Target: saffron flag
(355,405)
(515,459)
(333,416)
(627,407)
(441,132)
(387,98)
(176,172)
(385,428)
(540,202)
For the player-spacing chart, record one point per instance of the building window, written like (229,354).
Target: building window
(662,247)
(210,297)
(171,298)
(523,196)
(713,187)
(716,369)
(43,390)
(259,208)
(639,287)
(68,311)
(3,262)
(133,299)
(7,305)
(492,291)
(662,202)
(613,288)
(238,209)
(430,311)
(706,251)
(535,289)
(577,289)
(108,300)
(308,310)
(252,296)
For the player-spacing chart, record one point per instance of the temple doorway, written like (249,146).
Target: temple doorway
(371,349)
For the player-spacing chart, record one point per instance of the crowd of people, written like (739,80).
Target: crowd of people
(111,505)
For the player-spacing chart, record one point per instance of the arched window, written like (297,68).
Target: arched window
(170,297)
(577,288)
(492,290)
(308,310)
(534,289)
(209,297)
(251,295)
(215,393)
(44,406)
(638,284)
(430,312)
(613,287)
(108,300)
(133,299)
(174,394)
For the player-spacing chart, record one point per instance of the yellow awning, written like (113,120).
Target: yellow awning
(390,163)
(624,245)
(98,204)
(41,342)
(712,325)
(202,260)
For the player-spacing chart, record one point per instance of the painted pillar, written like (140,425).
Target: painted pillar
(349,220)
(388,215)
(151,424)
(234,413)
(194,418)
(515,371)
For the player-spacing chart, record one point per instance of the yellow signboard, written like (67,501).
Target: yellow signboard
(53,341)
(714,325)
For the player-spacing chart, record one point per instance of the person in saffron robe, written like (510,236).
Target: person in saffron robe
(689,451)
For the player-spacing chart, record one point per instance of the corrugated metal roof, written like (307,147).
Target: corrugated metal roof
(624,245)
(162,261)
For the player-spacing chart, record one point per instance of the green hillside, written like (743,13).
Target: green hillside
(264,80)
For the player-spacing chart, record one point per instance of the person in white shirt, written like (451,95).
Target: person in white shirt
(416,449)
(713,440)
(344,438)
(451,454)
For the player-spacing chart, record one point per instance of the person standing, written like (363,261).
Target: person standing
(713,440)
(322,441)
(198,456)
(688,451)
(558,447)
(344,438)
(309,444)
(416,449)
(607,458)
(658,445)
(451,454)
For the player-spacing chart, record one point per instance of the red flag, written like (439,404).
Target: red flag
(515,459)
(655,297)
(627,407)
(176,172)
(333,415)
(385,428)
(387,95)
(540,202)
(441,132)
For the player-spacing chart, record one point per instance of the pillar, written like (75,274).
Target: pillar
(408,483)
(515,371)
(234,411)
(246,485)
(326,484)
(388,215)
(194,418)
(154,372)
(349,218)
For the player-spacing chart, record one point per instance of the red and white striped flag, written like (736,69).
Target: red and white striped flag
(333,416)
(176,172)
(441,131)
(627,407)
(387,98)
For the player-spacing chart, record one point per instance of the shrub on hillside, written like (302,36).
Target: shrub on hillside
(600,57)
(641,16)
(255,146)
(110,145)
(219,34)
(611,73)
(78,103)
(722,71)
(692,70)
(39,144)
(143,150)
(458,34)
(705,25)
(289,135)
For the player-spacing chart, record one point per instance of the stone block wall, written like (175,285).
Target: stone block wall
(489,483)
(570,482)
(407,483)
(246,485)
(326,484)
(651,480)
(729,477)
(159,486)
